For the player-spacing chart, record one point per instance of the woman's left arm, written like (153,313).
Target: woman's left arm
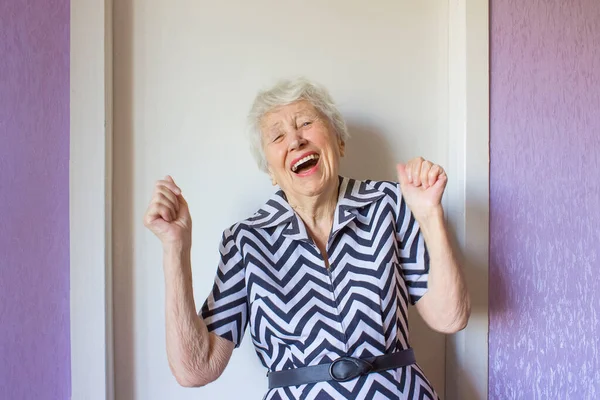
(445,307)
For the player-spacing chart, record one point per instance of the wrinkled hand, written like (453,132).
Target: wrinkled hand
(168,215)
(422,184)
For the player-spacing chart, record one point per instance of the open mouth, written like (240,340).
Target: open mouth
(305,163)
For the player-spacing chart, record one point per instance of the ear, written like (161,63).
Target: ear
(342,147)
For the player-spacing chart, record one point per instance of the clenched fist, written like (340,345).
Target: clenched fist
(422,184)
(168,215)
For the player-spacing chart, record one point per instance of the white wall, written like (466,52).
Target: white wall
(185,75)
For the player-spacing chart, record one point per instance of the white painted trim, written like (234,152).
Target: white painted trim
(90,200)
(468,196)
(108,101)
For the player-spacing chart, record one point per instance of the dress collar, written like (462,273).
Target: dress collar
(353,195)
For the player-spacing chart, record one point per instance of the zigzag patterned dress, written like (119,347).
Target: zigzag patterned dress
(273,277)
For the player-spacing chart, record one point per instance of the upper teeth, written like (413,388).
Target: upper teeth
(303,160)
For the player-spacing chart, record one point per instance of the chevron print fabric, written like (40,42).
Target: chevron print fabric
(272,280)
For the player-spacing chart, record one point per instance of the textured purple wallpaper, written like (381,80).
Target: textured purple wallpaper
(34,200)
(545,200)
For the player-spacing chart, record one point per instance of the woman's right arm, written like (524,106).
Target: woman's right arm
(196,357)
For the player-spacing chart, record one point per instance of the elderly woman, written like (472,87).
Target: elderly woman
(323,272)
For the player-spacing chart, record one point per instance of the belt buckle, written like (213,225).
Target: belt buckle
(347,368)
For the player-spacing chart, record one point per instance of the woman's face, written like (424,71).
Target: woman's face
(302,149)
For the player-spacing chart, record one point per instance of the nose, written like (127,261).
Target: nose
(297,140)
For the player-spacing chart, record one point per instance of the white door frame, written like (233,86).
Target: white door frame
(92,370)
(90,193)
(468,214)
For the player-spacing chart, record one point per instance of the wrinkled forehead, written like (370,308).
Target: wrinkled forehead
(289,112)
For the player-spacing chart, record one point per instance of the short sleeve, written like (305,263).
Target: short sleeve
(225,310)
(413,254)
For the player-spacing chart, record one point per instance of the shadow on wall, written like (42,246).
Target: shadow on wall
(368,155)
(473,265)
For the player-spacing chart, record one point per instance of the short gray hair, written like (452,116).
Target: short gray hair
(287,92)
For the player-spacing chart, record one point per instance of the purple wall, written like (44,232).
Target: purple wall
(34,200)
(545,200)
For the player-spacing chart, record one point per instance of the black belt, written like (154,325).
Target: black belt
(341,370)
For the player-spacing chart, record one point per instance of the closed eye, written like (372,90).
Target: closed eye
(278,138)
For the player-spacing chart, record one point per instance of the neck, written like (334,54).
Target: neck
(317,211)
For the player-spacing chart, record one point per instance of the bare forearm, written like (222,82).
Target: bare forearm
(446,305)
(189,344)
